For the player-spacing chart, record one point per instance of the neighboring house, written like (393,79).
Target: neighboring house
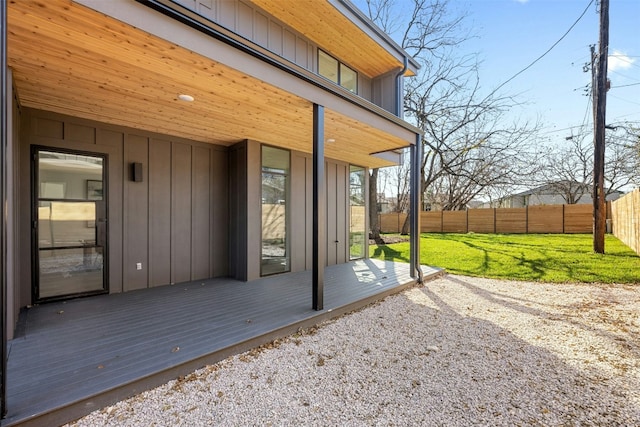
(156,142)
(386,204)
(559,193)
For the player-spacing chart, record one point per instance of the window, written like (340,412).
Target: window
(275,208)
(337,72)
(357,213)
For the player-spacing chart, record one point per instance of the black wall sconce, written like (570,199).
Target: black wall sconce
(136,172)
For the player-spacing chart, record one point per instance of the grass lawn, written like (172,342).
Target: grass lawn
(539,257)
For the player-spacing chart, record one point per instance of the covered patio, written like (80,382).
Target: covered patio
(70,358)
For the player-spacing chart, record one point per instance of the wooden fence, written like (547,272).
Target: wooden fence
(531,219)
(625,214)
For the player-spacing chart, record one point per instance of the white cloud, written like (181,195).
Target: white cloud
(619,61)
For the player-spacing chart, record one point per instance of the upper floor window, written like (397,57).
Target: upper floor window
(337,72)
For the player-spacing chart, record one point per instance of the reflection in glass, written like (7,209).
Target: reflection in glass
(275,190)
(327,66)
(71,224)
(357,218)
(348,78)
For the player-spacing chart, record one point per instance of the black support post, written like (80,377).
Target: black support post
(4,114)
(415,161)
(319,208)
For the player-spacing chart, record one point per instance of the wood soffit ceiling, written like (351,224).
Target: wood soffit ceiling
(72,60)
(325,26)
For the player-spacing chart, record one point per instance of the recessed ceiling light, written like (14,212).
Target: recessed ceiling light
(185,97)
(330,141)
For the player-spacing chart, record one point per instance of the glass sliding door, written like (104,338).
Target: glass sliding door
(357,213)
(275,208)
(70,224)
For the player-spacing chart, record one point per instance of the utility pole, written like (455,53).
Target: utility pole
(600,105)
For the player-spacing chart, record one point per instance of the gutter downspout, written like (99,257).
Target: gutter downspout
(414,210)
(399,95)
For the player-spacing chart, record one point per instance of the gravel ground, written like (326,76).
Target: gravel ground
(459,351)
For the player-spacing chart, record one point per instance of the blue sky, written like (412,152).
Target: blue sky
(513,33)
(510,34)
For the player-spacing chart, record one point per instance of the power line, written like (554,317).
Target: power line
(561,130)
(547,51)
(630,84)
(625,100)
(624,58)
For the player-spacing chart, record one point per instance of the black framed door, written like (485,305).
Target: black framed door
(69,224)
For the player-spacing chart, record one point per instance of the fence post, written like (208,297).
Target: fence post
(467,217)
(495,220)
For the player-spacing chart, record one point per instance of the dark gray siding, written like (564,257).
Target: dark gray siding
(174,222)
(301,211)
(384,91)
(238,211)
(181,208)
(337,179)
(256,25)
(136,225)
(160,205)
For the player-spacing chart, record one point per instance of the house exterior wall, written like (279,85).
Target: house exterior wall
(520,201)
(196,212)
(337,185)
(245,211)
(384,92)
(251,22)
(174,222)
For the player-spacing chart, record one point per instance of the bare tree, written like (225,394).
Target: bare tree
(467,150)
(622,163)
(423,28)
(568,168)
(395,180)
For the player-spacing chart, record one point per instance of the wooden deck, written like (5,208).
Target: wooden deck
(73,357)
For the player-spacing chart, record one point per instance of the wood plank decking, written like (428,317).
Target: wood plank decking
(73,357)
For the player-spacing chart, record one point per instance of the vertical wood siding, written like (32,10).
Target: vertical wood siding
(160,205)
(337,182)
(625,213)
(174,222)
(136,202)
(532,219)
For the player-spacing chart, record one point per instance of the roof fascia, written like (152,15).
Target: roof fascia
(355,15)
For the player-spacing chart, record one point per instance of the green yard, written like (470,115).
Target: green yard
(540,257)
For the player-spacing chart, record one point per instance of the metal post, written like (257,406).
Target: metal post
(414,208)
(4,114)
(319,208)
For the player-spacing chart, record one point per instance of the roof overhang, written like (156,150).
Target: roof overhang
(339,27)
(113,62)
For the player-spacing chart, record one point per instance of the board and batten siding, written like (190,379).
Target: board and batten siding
(263,29)
(337,181)
(259,27)
(245,211)
(174,222)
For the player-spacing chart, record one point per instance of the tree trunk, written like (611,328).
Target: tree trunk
(405,226)
(374,222)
